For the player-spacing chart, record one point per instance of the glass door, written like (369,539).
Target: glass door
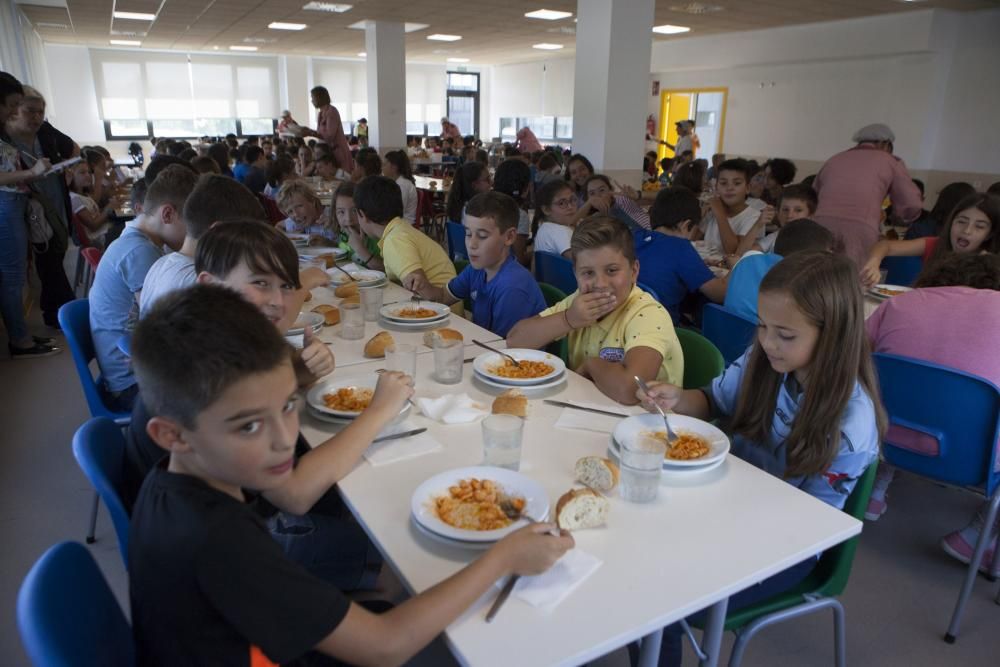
(706,107)
(463,101)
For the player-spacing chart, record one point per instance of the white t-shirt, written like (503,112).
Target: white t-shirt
(523,223)
(81,202)
(741,224)
(553,237)
(409,191)
(683,144)
(767,243)
(171,272)
(758,204)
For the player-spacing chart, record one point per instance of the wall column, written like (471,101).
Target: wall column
(386,61)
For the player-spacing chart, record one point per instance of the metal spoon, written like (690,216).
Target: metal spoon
(349,276)
(671,436)
(492,349)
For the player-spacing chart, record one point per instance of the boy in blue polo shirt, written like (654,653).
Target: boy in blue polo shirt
(502,291)
(668,262)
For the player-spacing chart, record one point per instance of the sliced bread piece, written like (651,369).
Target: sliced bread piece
(582,508)
(598,473)
(511,402)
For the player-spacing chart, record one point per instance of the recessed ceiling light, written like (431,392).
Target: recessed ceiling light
(278,25)
(135,16)
(362,55)
(548,14)
(125,42)
(242,48)
(407,27)
(58,26)
(335,7)
(458,60)
(696,8)
(547,47)
(437,37)
(671,29)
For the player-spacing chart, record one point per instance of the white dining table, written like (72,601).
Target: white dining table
(706,537)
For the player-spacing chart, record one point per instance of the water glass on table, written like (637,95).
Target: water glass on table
(371,299)
(641,467)
(449,360)
(403,358)
(502,441)
(352,321)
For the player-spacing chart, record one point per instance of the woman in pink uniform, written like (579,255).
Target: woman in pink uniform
(527,142)
(330,129)
(853,184)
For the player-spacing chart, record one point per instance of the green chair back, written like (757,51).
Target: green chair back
(702,360)
(460,265)
(829,577)
(552,296)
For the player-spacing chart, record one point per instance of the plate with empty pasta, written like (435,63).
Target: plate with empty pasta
(698,445)
(532,367)
(342,399)
(467,503)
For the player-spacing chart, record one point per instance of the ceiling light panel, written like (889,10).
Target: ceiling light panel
(278,25)
(444,38)
(135,16)
(335,7)
(548,15)
(124,42)
(547,47)
(669,29)
(242,48)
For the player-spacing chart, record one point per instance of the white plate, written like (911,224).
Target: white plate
(344,421)
(629,428)
(460,544)
(416,324)
(315,396)
(314,320)
(366,278)
(555,382)
(391,312)
(513,484)
(484,362)
(872,290)
(318,250)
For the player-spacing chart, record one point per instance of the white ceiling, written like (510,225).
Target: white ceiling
(492,32)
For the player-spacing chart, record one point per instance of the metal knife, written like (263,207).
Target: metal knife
(586,409)
(397,436)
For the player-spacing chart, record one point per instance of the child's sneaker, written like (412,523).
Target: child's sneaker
(877,504)
(961,544)
(876,508)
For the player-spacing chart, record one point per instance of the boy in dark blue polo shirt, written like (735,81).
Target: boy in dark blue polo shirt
(502,291)
(668,262)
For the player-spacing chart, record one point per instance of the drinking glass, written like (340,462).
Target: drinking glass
(641,466)
(352,321)
(371,299)
(502,441)
(449,359)
(403,358)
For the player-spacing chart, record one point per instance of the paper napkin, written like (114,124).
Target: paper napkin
(591,421)
(548,589)
(390,451)
(452,409)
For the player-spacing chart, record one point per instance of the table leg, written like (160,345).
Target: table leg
(649,651)
(711,642)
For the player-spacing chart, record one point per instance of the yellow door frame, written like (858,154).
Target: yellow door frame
(665,109)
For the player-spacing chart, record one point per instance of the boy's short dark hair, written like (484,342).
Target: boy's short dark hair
(994,189)
(252,154)
(327,158)
(161,162)
(673,206)
(802,193)
(379,198)
(738,165)
(172,186)
(496,205)
(137,197)
(602,230)
(197,342)
(257,244)
(978,271)
(512,178)
(216,198)
(9,86)
(782,170)
(803,235)
(205,165)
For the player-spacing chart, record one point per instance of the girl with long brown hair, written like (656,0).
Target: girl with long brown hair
(802,403)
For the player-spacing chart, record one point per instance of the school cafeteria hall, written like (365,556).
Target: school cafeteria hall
(620,333)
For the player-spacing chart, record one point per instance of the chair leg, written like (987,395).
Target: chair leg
(93,519)
(745,634)
(78,277)
(839,635)
(973,571)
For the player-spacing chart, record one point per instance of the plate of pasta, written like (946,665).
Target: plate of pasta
(699,443)
(344,399)
(533,367)
(412,311)
(464,504)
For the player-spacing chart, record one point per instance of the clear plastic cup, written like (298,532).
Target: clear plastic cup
(449,361)
(403,358)
(502,436)
(641,468)
(371,299)
(352,321)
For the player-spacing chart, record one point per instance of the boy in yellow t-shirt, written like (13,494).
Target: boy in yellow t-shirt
(616,330)
(411,257)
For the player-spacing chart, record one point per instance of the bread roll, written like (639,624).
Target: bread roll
(309,297)
(511,402)
(331,314)
(597,473)
(375,348)
(445,334)
(354,298)
(347,289)
(582,508)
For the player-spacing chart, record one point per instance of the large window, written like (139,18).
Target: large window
(548,129)
(463,101)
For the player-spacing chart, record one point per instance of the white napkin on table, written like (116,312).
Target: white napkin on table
(390,451)
(591,421)
(548,589)
(452,409)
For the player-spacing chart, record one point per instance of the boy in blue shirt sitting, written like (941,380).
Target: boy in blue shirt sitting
(668,262)
(502,291)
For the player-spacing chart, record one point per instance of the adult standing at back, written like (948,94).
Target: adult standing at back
(329,128)
(853,184)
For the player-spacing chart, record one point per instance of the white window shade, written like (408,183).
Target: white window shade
(558,87)
(346,82)
(213,90)
(121,97)
(168,89)
(534,89)
(256,91)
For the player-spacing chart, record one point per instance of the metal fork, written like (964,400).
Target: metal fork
(671,436)
(500,352)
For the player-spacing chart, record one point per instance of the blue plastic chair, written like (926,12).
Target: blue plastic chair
(67,614)
(902,270)
(455,233)
(650,291)
(555,270)
(74,318)
(961,412)
(729,332)
(99,448)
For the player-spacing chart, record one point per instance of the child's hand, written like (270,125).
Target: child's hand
(416,282)
(316,355)
(660,393)
(391,392)
(870,273)
(531,550)
(601,203)
(587,308)
(41,166)
(766,216)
